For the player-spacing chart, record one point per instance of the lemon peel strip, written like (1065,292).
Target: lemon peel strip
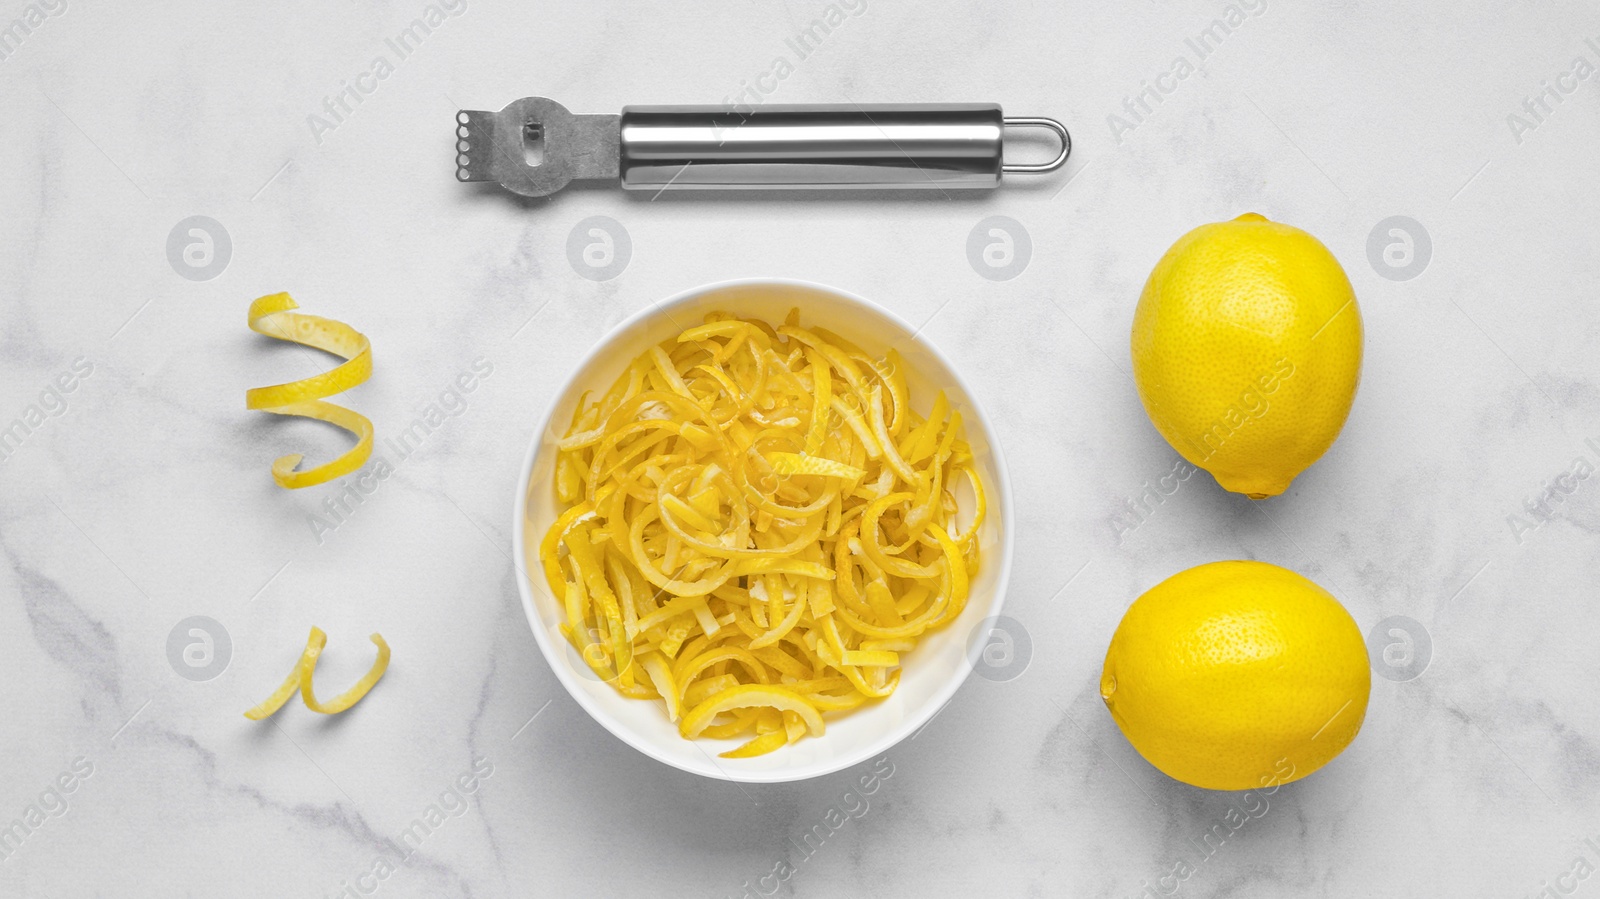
(746,696)
(759,746)
(300,678)
(273,316)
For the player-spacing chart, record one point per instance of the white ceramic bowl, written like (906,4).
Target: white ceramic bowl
(930,674)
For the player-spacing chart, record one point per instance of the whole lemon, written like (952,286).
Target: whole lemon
(1247,351)
(1237,675)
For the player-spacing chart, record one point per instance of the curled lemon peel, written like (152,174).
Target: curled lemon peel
(300,678)
(758,528)
(274,317)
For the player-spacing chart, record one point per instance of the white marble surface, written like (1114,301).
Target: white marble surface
(147,500)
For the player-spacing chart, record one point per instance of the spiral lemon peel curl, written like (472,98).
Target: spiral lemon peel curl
(274,317)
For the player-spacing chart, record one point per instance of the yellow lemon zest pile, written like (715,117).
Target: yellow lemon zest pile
(758,519)
(273,316)
(300,676)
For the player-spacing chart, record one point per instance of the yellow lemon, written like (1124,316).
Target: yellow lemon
(1237,676)
(1247,350)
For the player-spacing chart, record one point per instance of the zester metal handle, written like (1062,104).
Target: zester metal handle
(935,145)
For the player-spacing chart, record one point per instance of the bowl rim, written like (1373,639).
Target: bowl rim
(912,723)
